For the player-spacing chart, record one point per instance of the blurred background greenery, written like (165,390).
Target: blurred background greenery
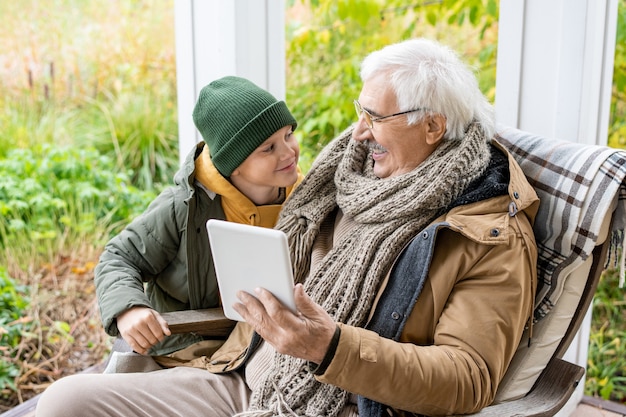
(89,135)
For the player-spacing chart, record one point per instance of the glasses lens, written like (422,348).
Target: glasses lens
(366,115)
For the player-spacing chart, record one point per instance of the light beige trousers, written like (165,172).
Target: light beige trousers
(181,391)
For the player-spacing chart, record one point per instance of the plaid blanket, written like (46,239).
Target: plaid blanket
(578,185)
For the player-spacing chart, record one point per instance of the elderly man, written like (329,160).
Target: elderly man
(411,236)
(414,259)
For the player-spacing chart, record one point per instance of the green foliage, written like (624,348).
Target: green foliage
(617,124)
(606,360)
(98,73)
(139,127)
(51,197)
(606,377)
(25,123)
(13,304)
(87,114)
(326,45)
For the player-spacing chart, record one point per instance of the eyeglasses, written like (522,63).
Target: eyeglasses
(370,118)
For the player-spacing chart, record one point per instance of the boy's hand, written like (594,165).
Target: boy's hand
(142,328)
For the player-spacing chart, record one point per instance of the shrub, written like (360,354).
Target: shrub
(54,198)
(13,304)
(606,360)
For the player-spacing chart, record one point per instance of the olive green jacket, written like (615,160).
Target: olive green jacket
(162,259)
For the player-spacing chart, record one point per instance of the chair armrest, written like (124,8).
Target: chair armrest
(206,322)
(554,387)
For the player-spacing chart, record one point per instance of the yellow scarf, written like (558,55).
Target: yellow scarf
(237,207)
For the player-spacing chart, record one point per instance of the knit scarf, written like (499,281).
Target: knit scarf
(387,213)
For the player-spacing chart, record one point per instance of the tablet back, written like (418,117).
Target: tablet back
(247,257)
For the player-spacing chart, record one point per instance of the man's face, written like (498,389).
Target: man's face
(397,147)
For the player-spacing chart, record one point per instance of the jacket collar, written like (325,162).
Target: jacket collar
(185,176)
(486,220)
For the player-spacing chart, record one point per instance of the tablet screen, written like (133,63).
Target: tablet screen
(247,257)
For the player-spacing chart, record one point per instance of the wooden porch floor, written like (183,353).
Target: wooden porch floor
(592,407)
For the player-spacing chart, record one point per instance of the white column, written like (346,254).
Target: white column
(554,76)
(555,67)
(215,38)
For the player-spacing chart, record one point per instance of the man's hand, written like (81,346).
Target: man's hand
(304,335)
(142,328)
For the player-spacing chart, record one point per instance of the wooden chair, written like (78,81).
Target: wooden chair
(553,388)
(583,199)
(582,211)
(207,322)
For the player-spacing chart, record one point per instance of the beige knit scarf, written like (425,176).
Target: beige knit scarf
(388,213)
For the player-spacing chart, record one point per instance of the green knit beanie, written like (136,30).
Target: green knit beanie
(235,116)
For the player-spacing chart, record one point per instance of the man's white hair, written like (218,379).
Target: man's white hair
(426,74)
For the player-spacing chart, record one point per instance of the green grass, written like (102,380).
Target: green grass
(606,360)
(92,74)
(14,303)
(139,127)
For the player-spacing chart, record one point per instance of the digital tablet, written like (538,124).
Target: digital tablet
(247,257)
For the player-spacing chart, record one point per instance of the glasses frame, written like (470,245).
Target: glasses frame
(370,118)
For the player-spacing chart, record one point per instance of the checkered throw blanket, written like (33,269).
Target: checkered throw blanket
(578,185)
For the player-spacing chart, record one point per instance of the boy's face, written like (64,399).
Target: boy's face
(273,164)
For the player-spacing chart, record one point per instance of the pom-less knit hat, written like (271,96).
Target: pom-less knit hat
(235,116)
